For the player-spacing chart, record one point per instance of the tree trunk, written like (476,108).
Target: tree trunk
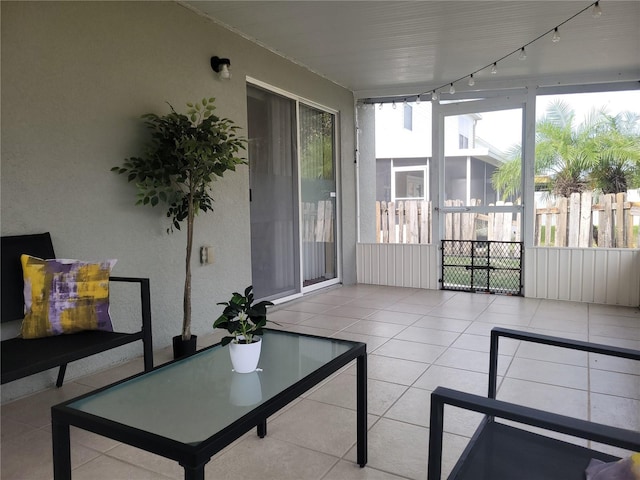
(186,320)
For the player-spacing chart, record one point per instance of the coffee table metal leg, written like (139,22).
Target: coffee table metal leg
(361,402)
(262,428)
(194,473)
(61,451)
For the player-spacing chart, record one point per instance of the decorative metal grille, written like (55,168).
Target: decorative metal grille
(482,266)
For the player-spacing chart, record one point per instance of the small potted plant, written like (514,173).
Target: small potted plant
(244,321)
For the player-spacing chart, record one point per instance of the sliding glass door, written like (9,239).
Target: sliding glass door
(275,266)
(293,195)
(318,187)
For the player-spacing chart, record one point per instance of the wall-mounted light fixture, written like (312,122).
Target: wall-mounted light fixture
(221,67)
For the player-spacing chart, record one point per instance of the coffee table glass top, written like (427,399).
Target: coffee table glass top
(192,399)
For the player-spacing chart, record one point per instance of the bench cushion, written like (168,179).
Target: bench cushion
(65,296)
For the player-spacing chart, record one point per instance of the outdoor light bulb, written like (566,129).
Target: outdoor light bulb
(225,74)
(393,105)
(434,96)
(597,11)
(418,100)
(494,69)
(556,36)
(523,54)
(452,89)
(380,107)
(472,82)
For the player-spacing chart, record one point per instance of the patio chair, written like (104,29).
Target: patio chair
(506,451)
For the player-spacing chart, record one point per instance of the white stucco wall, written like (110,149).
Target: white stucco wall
(76,76)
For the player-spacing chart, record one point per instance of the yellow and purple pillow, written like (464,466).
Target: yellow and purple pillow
(65,296)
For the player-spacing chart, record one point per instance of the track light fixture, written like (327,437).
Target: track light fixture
(221,67)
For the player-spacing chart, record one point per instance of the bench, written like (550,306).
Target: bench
(21,357)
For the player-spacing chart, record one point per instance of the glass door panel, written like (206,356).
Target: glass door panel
(318,192)
(275,265)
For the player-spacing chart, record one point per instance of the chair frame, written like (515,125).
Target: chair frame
(492,408)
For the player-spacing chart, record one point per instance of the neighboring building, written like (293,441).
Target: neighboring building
(403,152)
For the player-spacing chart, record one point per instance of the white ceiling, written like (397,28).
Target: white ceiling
(386,48)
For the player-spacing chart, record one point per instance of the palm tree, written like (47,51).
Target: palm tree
(602,152)
(619,154)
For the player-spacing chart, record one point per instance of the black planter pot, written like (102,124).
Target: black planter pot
(184,348)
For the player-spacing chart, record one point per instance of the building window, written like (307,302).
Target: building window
(409,183)
(463,141)
(408,117)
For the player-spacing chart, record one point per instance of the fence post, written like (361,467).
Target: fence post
(391,222)
(620,198)
(605,223)
(561,225)
(574,220)
(400,209)
(586,226)
(378,226)
(412,221)
(385,221)
(425,222)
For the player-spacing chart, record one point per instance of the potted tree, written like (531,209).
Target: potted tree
(244,321)
(185,155)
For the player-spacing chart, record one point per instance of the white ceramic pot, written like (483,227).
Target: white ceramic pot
(244,357)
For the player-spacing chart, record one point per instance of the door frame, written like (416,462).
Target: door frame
(440,111)
(338,218)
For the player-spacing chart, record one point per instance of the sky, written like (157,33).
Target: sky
(503,128)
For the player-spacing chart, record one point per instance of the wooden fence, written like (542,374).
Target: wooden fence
(579,222)
(404,221)
(568,222)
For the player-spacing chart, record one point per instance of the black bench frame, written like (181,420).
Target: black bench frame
(20,357)
(500,451)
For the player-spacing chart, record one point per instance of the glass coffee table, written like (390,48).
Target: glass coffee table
(192,408)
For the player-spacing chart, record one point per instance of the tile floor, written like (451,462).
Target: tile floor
(417,340)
